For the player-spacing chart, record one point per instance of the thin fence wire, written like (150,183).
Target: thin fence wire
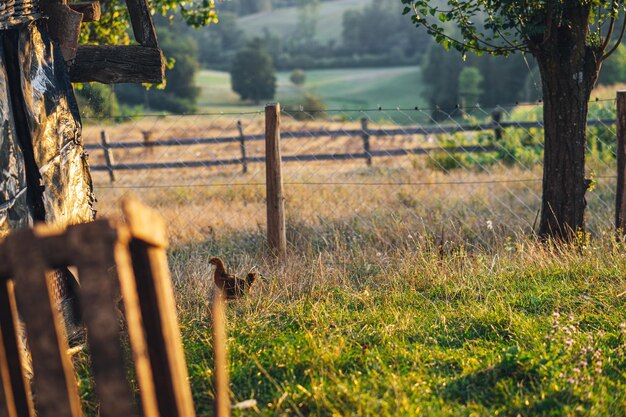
(361,178)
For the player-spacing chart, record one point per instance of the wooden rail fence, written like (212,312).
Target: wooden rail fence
(276,235)
(365,134)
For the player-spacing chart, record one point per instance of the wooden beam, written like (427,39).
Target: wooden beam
(93,245)
(54,382)
(221,380)
(162,333)
(145,223)
(118,64)
(15,388)
(143,26)
(89,9)
(63,26)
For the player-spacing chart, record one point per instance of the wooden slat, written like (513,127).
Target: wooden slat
(4,263)
(143,26)
(154,289)
(89,9)
(161,329)
(221,379)
(134,322)
(117,64)
(16,398)
(54,382)
(144,223)
(7,409)
(94,245)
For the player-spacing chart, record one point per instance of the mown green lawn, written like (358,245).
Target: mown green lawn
(519,330)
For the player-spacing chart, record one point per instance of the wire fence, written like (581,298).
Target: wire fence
(362,178)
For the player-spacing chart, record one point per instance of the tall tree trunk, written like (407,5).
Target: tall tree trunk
(569,69)
(565,123)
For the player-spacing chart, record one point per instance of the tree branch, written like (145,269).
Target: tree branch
(619,40)
(607,39)
(488,48)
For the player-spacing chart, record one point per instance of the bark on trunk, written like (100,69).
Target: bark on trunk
(565,123)
(569,69)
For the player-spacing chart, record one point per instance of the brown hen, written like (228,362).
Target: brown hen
(231,286)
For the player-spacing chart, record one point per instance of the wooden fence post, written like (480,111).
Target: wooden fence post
(276,236)
(620,203)
(242,145)
(366,142)
(108,155)
(220,378)
(496,117)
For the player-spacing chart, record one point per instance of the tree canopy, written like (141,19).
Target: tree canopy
(502,27)
(569,39)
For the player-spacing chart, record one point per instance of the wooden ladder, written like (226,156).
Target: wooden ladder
(114,261)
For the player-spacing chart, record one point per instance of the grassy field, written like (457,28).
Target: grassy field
(283,22)
(338,89)
(407,290)
(522,329)
(371,314)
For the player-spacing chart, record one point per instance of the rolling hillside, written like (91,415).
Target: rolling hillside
(338,89)
(283,22)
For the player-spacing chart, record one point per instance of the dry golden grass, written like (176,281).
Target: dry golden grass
(406,290)
(397,197)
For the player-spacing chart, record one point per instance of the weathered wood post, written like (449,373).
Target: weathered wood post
(221,378)
(276,236)
(620,203)
(366,142)
(108,155)
(496,117)
(242,145)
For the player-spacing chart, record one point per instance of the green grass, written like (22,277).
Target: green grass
(283,22)
(521,329)
(338,89)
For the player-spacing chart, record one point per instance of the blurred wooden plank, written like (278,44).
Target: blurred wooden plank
(54,382)
(16,398)
(89,9)
(7,408)
(161,329)
(158,309)
(143,26)
(134,321)
(4,263)
(144,223)
(93,245)
(221,378)
(117,64)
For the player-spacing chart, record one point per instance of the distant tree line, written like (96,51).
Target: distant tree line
(374,36)
(246,7)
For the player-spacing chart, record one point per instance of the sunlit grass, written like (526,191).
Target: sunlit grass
(523,328)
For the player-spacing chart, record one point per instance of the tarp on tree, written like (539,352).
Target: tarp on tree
(44,174)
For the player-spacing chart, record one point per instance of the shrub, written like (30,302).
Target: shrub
(297,77)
